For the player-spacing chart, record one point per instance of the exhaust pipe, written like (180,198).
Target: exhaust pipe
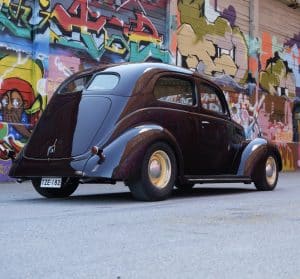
(21,180)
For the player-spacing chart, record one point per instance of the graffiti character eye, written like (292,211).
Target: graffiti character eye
(15,103)
(4,102)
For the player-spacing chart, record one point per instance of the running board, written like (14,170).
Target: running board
(218,179)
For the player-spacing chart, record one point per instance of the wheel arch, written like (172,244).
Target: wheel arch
(151,137)
(253,153)
(125,154)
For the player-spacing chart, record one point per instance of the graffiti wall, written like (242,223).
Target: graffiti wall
(43,42)
(259,73)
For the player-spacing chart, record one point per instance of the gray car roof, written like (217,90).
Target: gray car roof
(140,68)
(129,73)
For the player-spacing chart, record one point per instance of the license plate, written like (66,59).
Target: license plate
(53,182)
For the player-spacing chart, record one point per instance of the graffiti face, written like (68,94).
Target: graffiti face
(19,103)
(12,106)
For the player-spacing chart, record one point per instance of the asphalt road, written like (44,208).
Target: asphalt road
(216,231)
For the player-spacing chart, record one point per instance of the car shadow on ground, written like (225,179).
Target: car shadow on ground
(210,191)
(126,197)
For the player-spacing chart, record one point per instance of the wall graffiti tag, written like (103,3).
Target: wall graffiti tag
(259,75)
(138,40)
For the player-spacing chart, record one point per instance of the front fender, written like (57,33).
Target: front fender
(123,156)
(253,153)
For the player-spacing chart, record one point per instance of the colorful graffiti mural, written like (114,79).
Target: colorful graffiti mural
(23,99)
(260,75)
(43,42)
(213,48)
(76,25)
(275,76)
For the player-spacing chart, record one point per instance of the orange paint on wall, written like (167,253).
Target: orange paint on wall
(253,66)
(173,45)
(266,48)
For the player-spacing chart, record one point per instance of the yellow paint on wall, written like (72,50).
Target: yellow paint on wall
(21,67)
(44,3)
(225,64)
(4,2)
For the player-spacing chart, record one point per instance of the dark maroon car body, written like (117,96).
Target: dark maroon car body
(124,119)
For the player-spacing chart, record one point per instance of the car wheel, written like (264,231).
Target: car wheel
(68,187)
(184,187)
(266,176)
(157,175)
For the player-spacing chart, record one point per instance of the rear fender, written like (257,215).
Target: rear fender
(253,153)
(123,156)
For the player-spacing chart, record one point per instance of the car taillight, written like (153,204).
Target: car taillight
(99,152)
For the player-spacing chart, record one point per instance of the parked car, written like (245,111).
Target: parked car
(150,125)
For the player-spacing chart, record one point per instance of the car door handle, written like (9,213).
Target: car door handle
(204,124)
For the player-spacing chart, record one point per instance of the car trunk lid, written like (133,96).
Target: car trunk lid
(68,126)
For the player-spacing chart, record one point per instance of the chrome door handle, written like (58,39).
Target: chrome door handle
(204,124)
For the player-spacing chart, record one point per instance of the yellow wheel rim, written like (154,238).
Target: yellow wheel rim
(271,170)
(159,169)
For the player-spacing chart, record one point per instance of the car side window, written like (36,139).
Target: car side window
(75,85)
(210,99)
(175,90)
(104,82)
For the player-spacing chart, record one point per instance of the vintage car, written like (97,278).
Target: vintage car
(150,125)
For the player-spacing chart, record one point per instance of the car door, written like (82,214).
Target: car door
(215,151)
(175,96)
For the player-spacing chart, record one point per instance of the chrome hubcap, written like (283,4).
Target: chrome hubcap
(271,170)
(159,169)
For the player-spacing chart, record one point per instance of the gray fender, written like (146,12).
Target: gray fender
(253,153)
(124,155)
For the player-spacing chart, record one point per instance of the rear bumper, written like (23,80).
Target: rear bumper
(26,168)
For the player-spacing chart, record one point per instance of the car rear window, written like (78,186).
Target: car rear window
(104,82)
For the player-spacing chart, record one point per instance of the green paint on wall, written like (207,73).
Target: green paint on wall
(271,77)
(192,14)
